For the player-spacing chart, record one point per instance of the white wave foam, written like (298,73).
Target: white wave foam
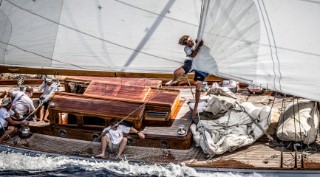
(18,161)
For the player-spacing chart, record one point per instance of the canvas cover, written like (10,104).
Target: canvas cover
(299,123)
(237,128)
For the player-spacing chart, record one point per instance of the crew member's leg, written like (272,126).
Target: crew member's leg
(46,111)
(178,72)
(123,144)
(9,131)
(199,77)
(197,99)
(104,141)
(41,113)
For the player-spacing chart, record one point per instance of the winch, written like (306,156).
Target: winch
(24,132)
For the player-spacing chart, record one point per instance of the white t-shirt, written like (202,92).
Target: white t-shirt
(17,95)
(22,103)
(117,135)
(188,50)
(3,115)
(48,90)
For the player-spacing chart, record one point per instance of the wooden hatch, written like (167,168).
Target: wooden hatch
(82,104)
(116,91)
(77,84)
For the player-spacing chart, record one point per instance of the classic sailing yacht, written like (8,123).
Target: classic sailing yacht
(273,44)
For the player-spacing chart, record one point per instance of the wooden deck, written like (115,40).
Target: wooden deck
(260,155)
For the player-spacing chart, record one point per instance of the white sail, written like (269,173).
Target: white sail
(271,43)
(108,35)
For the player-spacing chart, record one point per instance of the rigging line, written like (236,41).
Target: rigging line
(282,119)
(192,95)
(258,125)
(301,141)
(153,27)
(56,34)
(156,13)
(265,45)
(271,52)
(8,21)
(34,53)
(275,46)
(90,35)
(316,2)
(294,120)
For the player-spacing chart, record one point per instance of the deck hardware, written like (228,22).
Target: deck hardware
(52,105)
(24,131)
(130,141)
(95,137)
(164,144)
(63,133)
(181,131)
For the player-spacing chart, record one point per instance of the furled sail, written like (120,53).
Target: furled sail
(270,43)
(130,36)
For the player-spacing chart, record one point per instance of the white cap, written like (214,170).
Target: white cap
(48,80)
(6,101)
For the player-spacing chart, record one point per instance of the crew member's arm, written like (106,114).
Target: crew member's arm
(14,112)
(105,131)
(41,87)
(13,122)
(196,50)
(140,134)
(54,89)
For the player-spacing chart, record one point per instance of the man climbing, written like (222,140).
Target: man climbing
(199,76)
(186,41)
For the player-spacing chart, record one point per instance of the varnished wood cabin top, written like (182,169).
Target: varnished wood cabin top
(109,90)
(106,90)
(141,82)
(91,106)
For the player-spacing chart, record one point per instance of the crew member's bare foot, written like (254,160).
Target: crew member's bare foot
(101,156)
(171,82)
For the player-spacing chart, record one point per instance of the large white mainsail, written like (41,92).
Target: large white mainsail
(272,43)
(106,35)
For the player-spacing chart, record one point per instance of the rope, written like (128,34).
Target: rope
(301,144)
(282,112)
(192,94)
(258,125)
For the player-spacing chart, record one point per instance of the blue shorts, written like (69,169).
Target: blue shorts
(187,66)
(200,76)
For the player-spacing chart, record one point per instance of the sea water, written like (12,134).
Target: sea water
(18,164)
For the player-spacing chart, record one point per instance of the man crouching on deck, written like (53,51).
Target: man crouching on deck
(113,136)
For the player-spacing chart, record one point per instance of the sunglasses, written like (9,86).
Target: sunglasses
(187,40)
